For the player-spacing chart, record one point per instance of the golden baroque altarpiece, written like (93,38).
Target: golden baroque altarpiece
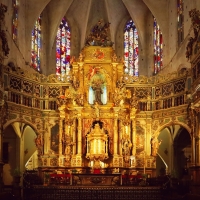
(96,117)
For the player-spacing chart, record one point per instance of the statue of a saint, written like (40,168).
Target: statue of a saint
(155,146)
(97,92)
(126,145)
(39,144)
(134,101)
(96,107)
(69,144)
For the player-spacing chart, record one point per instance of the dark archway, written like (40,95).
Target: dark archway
(182,152)
(18,147)
(174,150)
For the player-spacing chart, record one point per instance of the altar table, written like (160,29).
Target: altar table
(96,179)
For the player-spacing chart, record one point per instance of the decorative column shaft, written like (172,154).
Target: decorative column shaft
(132,116)
(62,117)
(79,152)
(115,137)
(74,136)
(134,136)
(60,135)
(45,135)
(120,137)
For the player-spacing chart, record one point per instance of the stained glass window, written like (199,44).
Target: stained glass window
(180,21)
(15,4)
(131,49)
(63,49)
(36,45)
(158,48)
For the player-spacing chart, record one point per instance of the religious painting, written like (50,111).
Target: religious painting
(55,138)
(140,139)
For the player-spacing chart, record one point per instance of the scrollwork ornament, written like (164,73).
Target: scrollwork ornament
(118,96)
(69,122)
(155,125)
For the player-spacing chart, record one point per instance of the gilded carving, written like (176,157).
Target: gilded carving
(119,96)
(155,146)
(126,145)
(99,35)
(39,144)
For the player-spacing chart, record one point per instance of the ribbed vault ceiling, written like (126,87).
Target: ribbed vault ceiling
(82,15)
(85,13)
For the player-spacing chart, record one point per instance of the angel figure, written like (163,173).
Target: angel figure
(92,72)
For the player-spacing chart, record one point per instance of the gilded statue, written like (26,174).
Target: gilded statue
(39,144)
(97,110)
(98,91)
(79,98)
(81,57)
(155,146)
(134,101)
(74,81)
(99,35)
(126,144)
(68,144)
(118,96)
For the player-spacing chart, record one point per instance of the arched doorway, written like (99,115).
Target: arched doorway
(174,151)
(18,148)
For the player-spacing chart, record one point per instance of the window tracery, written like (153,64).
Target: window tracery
(131,48)
(36,45)
(63,48)
(180,21)
(15,19)
(158,48)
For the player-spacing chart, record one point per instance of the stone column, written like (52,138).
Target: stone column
(193,161)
